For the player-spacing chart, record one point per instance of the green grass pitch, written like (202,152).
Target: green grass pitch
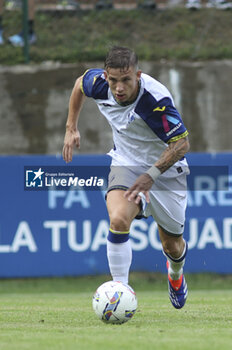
(57,314)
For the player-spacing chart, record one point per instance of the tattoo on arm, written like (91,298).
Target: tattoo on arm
(175,151)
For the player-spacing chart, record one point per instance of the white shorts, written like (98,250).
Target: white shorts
(168,196)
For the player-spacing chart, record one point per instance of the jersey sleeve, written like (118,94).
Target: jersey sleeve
(162,117)
(94,85)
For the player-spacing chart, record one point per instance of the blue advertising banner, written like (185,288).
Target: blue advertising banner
(53,226)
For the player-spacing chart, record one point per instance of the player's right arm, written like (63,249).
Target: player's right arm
(72,135)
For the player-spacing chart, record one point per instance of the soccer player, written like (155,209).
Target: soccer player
(17,40)
(148,169)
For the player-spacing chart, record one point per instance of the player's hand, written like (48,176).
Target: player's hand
(72,138)
(142,185)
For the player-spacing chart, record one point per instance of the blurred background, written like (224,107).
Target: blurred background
(184,44)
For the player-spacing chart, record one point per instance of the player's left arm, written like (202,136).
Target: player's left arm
(174,152)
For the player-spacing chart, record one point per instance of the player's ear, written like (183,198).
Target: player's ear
(105,75)
(138,74)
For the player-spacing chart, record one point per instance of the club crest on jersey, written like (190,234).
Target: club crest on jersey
(130,118)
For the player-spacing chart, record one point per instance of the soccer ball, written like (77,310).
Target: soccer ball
(114,302)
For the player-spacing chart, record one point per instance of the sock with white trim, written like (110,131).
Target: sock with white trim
(119,254)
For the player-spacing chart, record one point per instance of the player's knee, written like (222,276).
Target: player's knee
(119,222)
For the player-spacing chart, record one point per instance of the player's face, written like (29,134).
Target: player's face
(124,84)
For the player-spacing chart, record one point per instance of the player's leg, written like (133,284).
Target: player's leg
(175,249)
(31,10)
(119,253)
(31,20)
(167,205)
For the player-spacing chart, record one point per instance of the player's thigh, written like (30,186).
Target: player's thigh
(120,208)
(168,210)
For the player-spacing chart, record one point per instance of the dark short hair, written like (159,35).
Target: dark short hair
(121,57)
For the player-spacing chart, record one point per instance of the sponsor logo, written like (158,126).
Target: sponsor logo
(172,120)
(34,178)
(159,109)
(174,129)
(59,178)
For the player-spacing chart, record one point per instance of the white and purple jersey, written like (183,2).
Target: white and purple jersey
(143,129)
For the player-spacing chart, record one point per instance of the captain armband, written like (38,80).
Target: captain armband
(154,172)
